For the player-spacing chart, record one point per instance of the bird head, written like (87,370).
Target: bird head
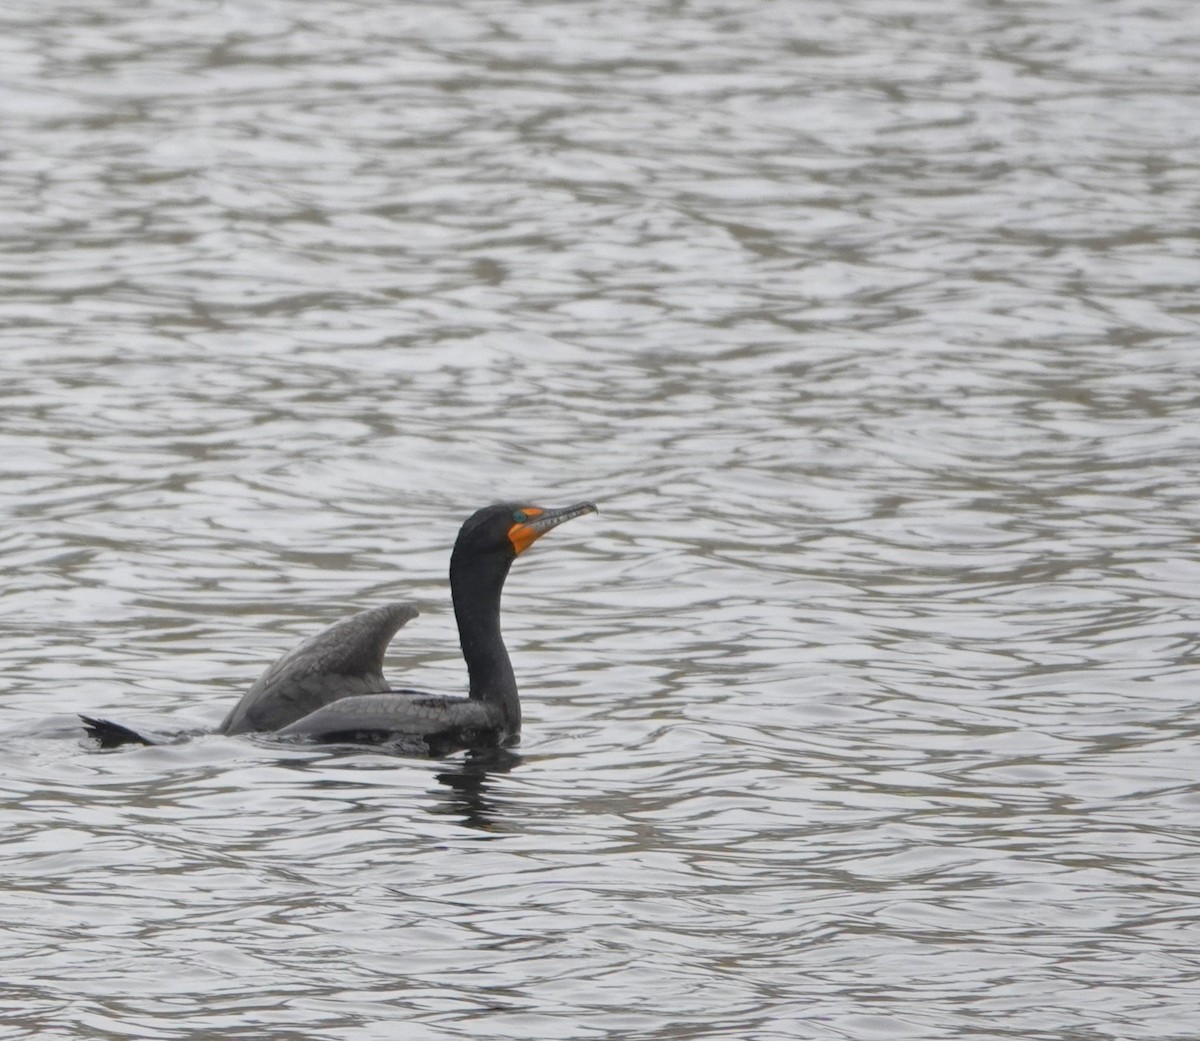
(510,528)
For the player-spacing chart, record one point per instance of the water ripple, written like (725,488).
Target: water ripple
(863,709)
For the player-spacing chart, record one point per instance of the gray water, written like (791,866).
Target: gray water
(866,708)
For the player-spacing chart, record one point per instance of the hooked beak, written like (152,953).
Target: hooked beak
(538,521)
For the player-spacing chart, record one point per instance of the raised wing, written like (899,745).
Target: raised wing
(339,662)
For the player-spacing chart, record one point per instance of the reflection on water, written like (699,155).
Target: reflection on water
(866,708)
(474,796)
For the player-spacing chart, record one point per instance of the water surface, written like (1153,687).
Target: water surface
(866,708)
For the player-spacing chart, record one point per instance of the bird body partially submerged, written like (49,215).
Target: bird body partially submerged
(331,687)
(436,725)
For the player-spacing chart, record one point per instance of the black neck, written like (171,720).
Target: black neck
(475,586)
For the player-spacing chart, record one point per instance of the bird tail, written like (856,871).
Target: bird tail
(113,735)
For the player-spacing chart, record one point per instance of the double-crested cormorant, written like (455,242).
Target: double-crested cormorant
(331,687)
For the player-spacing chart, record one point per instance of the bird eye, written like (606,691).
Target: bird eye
(520,516)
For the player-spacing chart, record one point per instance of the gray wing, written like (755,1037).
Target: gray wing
(344,660)
(408,713)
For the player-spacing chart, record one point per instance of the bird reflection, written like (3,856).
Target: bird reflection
(470,796)
(468,793)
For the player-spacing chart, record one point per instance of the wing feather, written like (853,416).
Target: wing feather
(344,660)
(407,713)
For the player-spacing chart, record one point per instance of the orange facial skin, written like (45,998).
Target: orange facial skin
(521,535)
